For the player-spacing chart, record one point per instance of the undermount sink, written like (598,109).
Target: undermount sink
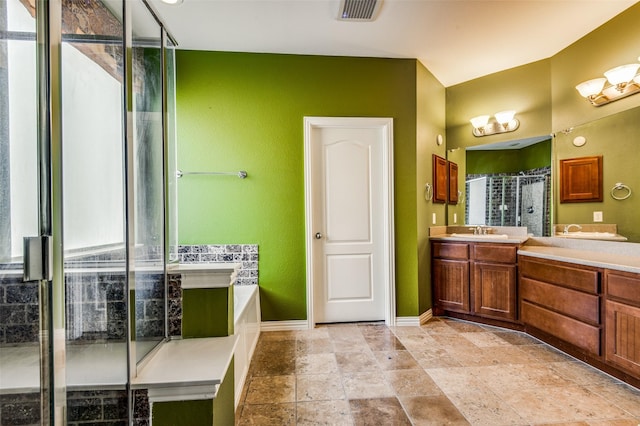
(482,236)
(591,235)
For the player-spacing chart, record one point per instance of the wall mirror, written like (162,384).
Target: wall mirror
(615,138)
(505,184)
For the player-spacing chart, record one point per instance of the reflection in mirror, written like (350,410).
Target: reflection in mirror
(615,138)
(507,184)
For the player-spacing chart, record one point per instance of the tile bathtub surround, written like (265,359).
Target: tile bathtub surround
(444,372)
(247,254)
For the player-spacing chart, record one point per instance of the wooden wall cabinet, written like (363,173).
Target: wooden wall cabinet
(562,300)
(440,172)
(581,179)
(622,323)
(452,176)
(445,180)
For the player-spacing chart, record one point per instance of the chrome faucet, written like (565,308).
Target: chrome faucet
(567,227)
(480,230)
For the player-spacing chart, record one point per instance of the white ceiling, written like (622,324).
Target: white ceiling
(457,40)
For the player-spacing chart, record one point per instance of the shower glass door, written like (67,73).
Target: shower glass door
(93,186)
(24,317)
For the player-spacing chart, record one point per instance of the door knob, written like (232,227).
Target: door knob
(318,235)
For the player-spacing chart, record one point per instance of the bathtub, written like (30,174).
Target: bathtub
(246,308)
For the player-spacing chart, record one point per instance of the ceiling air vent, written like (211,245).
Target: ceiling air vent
(359,10)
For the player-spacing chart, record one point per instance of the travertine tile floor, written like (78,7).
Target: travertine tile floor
(445,372)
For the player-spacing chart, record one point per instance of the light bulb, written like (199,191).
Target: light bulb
(480,121)
(591,88)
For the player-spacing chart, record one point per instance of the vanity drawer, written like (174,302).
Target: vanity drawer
(578,277)
(623,285)
(501,253)
(582,306)
(451,250)
(584,336)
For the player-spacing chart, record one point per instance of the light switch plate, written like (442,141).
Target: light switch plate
(433,218)
(597,216)
(455,218)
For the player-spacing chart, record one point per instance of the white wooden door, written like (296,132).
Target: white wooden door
(349,219)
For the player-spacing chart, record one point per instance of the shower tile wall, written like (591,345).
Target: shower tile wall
(496,213)
(247,254)
(97,407)
(96,306)
(20,409)
(174,302)
(19,315)
(150,305)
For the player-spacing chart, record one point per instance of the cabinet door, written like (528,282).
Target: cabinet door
(451,285)
(581,179)
(453,182)
(623,336)
(494,290)
(439,179)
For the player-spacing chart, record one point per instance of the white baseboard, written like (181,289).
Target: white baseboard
(284,325)
(407,321)
(292,325)
(426,316)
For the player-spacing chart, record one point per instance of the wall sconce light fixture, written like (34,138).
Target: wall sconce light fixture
(617,83)
(504,122)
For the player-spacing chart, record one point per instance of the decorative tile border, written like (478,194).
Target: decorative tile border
(247,254)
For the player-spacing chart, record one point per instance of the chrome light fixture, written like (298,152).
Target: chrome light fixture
(617,83)
(504,122)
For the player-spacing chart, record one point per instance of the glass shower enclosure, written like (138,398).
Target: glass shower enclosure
(521,199)
(83,154)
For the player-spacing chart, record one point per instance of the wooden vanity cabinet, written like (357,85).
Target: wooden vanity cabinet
(450,268)
(622,323)
(476,279)
(563,301)
(494,280)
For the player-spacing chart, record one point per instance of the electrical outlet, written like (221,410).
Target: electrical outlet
(455,218)
(597,216)
(433,218)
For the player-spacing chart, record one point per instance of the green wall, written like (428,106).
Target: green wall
(430,119)
(245,111)
(614,43)
(509,160)
(525,89)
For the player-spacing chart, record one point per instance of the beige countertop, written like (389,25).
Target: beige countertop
(496,234)
(188,362)
(598,259)
(489,238)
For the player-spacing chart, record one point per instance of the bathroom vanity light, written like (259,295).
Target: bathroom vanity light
(172,2)
(504,122)
(617,83)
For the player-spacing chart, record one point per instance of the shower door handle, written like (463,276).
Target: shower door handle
(38,262)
